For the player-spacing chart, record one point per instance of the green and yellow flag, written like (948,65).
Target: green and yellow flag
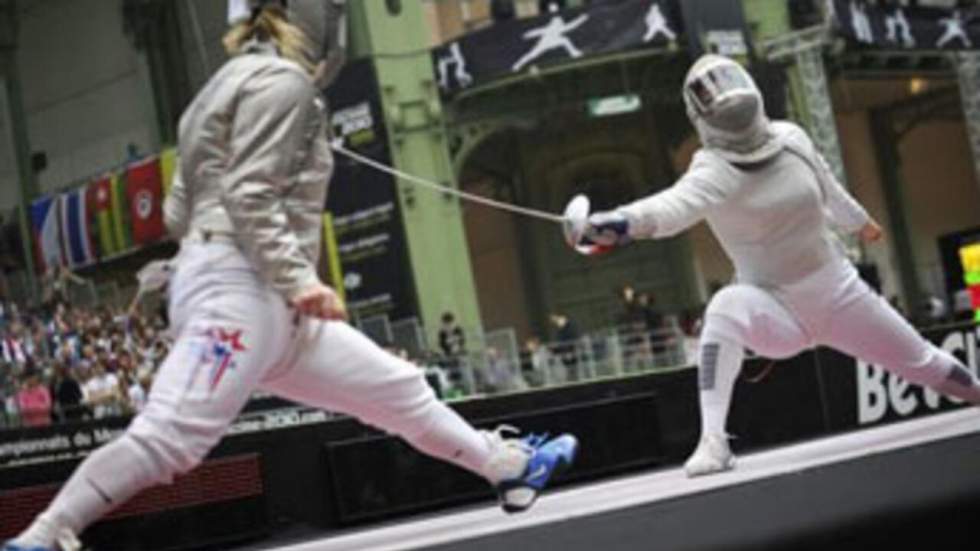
(120,216)
(98,198)
(168,164)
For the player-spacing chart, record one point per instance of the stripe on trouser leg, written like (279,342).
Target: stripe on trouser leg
(960,376)
(708,366)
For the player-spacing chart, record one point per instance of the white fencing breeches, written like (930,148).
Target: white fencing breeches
(234,336)
(832,307)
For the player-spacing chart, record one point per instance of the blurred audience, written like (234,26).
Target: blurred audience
(34,401)
(63,363)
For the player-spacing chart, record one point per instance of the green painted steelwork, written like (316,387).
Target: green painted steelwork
(437,245)
(27,187)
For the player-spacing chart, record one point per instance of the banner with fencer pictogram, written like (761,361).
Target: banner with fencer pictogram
(529,44)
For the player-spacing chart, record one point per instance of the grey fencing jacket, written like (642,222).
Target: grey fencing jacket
(254,166)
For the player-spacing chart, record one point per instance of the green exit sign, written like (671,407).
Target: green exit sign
(614,105)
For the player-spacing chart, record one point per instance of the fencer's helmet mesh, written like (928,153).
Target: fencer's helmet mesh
(720,90)
(726,109)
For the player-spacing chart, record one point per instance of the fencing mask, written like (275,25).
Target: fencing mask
(726,108)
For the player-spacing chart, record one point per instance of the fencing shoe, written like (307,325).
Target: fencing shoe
(712,456)
(65,541)
(521,468)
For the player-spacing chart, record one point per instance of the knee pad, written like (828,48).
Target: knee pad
(733,302)
(753,317)
(735,310)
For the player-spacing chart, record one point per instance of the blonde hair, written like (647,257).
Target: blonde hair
(271,24)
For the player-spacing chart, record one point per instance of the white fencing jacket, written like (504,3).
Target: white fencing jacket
(771,220)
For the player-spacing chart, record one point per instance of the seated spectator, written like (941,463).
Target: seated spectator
(138,390)
(566,343)
(12,346)
(654,323)
(452,339)
(34,401)
(499,375)
(125,363)
(41,342)
(102,392)
(10,409)
(8,396)
(67,394)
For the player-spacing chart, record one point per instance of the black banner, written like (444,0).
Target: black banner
(858,394)
(716,26)
(71,441)
(364,202)
(514,46)
(898,27)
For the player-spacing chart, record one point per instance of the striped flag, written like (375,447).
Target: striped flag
(45,223)
(77,239)
(120,211)
(99,203)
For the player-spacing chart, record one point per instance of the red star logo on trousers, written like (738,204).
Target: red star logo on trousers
(224,346)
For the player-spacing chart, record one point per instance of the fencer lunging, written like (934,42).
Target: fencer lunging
(770,199)
(247,306)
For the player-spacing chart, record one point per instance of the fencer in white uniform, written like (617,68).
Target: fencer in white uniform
(772,201)
(247,307)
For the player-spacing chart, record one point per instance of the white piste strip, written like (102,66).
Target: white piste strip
(623,493)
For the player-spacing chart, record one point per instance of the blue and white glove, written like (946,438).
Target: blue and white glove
(606,230)
(591,234)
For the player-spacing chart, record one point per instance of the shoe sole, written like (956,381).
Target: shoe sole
(728,466)
(562,466)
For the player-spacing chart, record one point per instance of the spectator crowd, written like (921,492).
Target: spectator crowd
(64,363)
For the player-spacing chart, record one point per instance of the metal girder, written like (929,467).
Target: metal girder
(790,44)
(523,103)
(466,138)
(905,115)
(8,25)
(891,64)
(11,101)
(823,126)
(805,48)
(967,65)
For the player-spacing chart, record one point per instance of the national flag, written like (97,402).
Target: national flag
(99,205)
(168,164)
(120,213)
(45,223)
(144,195)
(975,296)
(76,236)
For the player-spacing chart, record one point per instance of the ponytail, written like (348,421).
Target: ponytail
(270,24)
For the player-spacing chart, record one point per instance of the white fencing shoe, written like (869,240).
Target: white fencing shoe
(712,456)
